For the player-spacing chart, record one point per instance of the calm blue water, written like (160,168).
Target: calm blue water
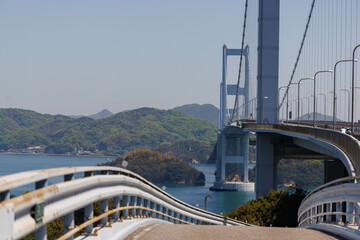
(14,163)
(222,201)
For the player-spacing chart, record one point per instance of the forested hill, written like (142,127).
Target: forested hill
(119,133)
(206,111)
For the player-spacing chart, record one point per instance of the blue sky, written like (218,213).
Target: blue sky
(79,57)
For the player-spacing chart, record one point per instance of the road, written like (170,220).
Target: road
(181,232)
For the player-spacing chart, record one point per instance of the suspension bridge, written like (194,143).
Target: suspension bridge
(300,120)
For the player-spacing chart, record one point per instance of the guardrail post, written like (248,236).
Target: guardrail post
(69,222)
(357,212)
(186,219)
(146,205)
(157,215)
(115,204)
(350,211)
(169,219)
(175,214)
(181,218)
(338,209)
(132,203)
(164,210)
(152,206)
(103,209)
(40,233)
(139,202)
(88,215)
(125,203)
(7,219)
(88,174)
(4,195)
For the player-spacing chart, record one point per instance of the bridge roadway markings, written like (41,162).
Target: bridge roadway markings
(181,232)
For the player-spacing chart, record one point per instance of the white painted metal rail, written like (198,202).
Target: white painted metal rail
(139,198)
(333,207)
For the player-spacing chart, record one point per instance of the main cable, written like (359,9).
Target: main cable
(242,49)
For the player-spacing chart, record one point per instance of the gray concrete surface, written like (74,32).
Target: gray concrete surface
(165,232)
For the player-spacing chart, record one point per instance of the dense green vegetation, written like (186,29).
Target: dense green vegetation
(117,134)
(160,168)
(277,208)
(302,173)
(191,151)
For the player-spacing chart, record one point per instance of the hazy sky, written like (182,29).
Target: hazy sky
(81,56)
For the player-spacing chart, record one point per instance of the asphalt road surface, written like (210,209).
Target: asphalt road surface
(166,232)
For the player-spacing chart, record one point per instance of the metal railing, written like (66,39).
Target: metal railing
(333,207)
(32,211)
(347,143)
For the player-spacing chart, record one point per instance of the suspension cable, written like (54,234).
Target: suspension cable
(300,50)
(242,49)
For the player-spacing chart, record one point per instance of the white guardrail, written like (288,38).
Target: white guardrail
(333,207)
(30,212)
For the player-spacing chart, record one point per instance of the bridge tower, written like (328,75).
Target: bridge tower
(268,61)
(230,89)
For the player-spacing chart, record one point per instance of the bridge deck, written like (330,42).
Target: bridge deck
(164,232)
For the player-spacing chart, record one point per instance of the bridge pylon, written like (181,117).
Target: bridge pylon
(230,89)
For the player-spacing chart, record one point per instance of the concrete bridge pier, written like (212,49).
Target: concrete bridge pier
(266,164)
(232,161)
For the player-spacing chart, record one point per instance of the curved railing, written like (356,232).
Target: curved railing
(31,211)
(333,207)
(349,144)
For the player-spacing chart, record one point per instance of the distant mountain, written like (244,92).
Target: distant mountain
(206,111)
(117,134)
(319,117)
(100,115)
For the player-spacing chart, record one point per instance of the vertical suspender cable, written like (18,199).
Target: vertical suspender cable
(299,53)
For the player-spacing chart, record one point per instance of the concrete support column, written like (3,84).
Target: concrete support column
(125,203)
(115,204)
(88,215)
(266,164)
(246,157)
(103,209)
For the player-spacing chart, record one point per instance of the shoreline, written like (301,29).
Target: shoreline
(53,154)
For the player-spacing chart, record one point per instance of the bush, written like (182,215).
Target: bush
(277,208)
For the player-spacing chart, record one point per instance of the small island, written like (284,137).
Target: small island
(160,168)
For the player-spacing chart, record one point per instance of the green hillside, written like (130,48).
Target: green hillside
(119,133)
(206,111)
(160,168)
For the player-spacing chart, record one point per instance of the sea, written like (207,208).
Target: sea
(219,202)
